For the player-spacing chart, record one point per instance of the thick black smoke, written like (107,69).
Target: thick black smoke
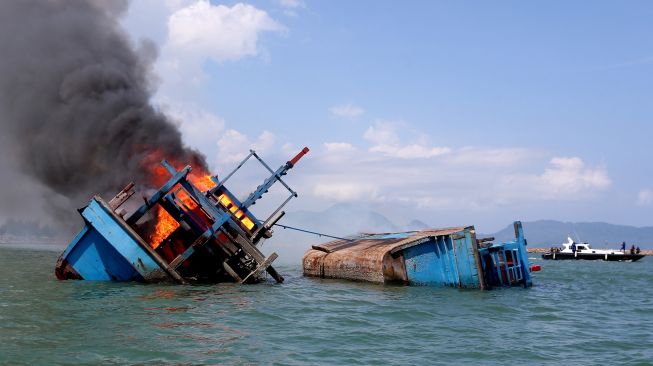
(75,110)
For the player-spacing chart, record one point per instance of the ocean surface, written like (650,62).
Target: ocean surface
(581,313)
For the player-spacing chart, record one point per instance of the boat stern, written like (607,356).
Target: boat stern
(107,249)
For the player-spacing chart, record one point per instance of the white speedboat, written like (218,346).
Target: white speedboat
(585,251)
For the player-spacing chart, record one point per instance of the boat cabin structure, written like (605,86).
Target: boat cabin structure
(435,257)
(201,235)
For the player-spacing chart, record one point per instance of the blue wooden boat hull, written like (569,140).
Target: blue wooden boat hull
(448,261)
(108,249)
(433,257)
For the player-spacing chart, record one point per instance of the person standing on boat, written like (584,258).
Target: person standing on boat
(632,250)
(637,250)
(623,246)
(573,248)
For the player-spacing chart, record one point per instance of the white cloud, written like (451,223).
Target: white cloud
(386,138)
(364,177)
(199,128)
(564,178)
(413,151)
(492,156)
(265,141)
(218,32)
(347,111)
(147,19)
(569,176)
(382,133)
(468,178)
(189,33)
(291,6)
(198,32)
(645,197)
(336,147)
(292,3)
(233,146)
(346,192)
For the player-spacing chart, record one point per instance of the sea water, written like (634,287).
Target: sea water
(577,312)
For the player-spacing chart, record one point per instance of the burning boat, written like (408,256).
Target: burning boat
(438,257)
(187,231)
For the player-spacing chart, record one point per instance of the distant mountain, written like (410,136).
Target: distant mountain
(345,219)
(339,220)
(546,233)
(416,225)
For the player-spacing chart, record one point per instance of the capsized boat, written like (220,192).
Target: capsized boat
(585,251)
(213,235)
(434,257)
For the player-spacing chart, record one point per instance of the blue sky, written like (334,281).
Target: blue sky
(451,112)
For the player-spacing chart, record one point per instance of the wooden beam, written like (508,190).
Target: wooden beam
(273,272)
(262,267)
(231,272)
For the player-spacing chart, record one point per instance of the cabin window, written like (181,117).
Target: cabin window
(581,247)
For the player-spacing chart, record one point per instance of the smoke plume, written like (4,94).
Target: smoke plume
(75,110)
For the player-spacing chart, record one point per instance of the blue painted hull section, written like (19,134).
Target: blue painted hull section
(466,255)
(506,264)
(429,264)
(95,259)
(443,261)
(106,250)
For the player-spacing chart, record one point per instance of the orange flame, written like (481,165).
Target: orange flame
(165,225)
(199,177)
(158,175)
(229,204)
(201,182)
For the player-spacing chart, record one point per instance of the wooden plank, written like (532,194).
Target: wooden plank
(273,272)
(231,272)
(335,246)
(250,249)
(256,254)
(122,196)
(266,263)
(321,248)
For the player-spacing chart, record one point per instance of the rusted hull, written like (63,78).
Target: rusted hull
(438,257)
(375,267)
